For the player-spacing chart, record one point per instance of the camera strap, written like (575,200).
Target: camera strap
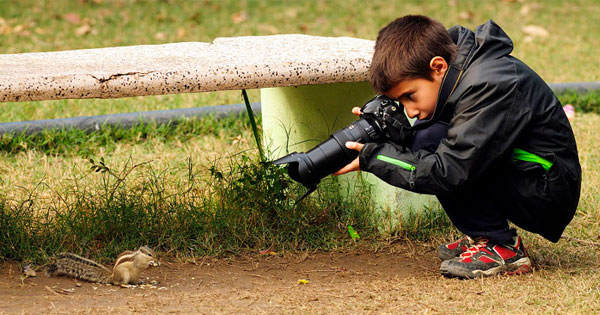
(447,87)
(449,83)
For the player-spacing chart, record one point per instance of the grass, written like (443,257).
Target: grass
(51,170)
(588,102)
(84,143)
(196,187)
(208,211)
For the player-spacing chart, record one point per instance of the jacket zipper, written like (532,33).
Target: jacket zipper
(402,164)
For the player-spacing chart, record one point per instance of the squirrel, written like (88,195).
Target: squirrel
(127,269)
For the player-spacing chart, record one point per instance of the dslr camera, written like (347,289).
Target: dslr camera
(382,119)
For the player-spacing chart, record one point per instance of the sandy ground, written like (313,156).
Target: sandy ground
(250,284)
(400,278)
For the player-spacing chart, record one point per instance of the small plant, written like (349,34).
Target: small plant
(100,167)
(246,204)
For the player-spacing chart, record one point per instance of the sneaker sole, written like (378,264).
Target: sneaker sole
(519,267)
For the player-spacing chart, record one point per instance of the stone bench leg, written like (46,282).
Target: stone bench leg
(298,118)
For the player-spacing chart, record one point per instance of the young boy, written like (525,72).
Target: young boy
(492,141)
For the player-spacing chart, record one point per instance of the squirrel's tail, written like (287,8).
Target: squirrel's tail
(71,265)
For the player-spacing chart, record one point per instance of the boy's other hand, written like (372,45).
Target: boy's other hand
(354,165)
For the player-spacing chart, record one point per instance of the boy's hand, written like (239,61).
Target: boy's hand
(354,165)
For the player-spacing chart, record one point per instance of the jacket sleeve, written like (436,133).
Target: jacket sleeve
(488,118)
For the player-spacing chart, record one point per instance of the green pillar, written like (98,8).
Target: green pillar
(298,118)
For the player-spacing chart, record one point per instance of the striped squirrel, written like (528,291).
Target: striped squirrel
(127,269)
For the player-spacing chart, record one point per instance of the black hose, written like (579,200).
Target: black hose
(124,120)
(128,120)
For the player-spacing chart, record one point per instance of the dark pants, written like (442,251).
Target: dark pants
(478,210)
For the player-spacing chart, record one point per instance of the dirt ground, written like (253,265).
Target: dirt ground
(400,278)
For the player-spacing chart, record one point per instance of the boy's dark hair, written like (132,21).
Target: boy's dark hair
(404,48)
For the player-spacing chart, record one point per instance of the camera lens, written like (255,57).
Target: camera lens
(331,155)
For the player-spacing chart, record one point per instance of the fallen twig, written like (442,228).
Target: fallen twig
(56,293)
(586,242)
(258,276)
(325,270)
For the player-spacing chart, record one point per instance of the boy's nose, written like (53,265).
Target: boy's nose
(412,113)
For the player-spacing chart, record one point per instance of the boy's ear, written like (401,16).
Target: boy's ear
(438,66)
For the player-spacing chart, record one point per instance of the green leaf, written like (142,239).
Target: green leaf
(253,124)
(353,233)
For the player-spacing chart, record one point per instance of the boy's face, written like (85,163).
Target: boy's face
(419,96)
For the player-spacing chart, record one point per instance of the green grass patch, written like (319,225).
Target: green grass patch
(248,205)
(588,102)
(85,143)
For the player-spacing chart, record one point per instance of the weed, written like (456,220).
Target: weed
(247,205)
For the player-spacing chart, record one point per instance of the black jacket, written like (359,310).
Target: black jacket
(499,104)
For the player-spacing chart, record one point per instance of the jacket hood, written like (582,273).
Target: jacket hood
(487,41)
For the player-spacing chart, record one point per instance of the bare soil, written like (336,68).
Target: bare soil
(400,278)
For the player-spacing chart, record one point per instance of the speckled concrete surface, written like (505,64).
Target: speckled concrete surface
(226,64)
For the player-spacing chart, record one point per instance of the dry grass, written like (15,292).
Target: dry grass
(45,175)
(586,224)
(544,291)
(587,132)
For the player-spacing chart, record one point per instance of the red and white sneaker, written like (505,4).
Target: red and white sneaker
(485,258)
(454,249)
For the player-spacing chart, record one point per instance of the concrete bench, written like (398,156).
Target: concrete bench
(307,84)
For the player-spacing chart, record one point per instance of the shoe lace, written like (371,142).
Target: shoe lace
(476,246)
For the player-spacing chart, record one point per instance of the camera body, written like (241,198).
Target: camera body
(382,119)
